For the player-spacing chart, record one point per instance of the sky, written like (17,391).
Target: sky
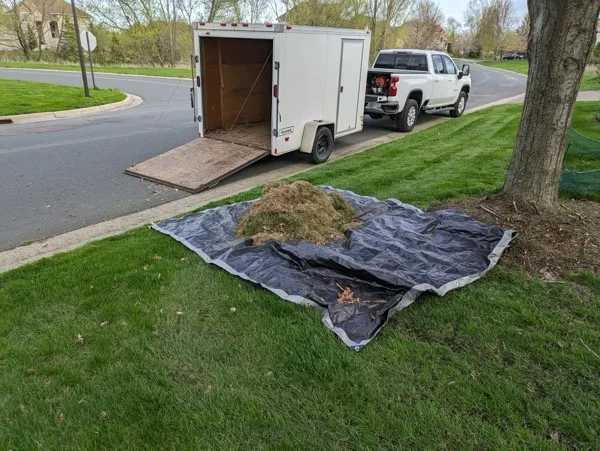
(456,8)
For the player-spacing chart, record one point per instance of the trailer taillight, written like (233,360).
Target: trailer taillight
(201,23)
(268,25)
(289,27)
(233,24)
(275,91)
(198,80)
(223,24)
(244,24)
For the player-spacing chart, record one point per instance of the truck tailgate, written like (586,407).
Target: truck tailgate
(197,165)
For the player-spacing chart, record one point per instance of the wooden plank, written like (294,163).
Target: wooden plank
(197,165)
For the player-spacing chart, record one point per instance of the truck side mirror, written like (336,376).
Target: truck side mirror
(460,75)
(466,69)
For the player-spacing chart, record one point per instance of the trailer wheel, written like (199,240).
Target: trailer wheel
(322,146)
(406,120)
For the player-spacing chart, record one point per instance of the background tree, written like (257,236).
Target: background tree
(67,45)
(504,13)
(424,26)
(562,35)
(453,31)
(16,22)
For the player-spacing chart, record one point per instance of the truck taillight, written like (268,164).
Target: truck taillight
(393,90)
(275,91)
(198,80)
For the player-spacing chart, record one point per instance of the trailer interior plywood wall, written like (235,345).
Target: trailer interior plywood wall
(230,68)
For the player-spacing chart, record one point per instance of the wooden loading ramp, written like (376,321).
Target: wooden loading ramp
(197,165)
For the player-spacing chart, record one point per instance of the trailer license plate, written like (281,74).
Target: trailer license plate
(286,131)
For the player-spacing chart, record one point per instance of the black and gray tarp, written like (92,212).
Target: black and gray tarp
(398,253)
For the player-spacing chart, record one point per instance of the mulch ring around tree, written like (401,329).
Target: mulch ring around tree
(548,244)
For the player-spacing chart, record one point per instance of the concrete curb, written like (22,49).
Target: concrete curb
(68,241)
(129,102)
(96,72)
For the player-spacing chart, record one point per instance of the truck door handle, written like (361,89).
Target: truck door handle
(341,89)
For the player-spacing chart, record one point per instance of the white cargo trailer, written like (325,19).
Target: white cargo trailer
(267,89)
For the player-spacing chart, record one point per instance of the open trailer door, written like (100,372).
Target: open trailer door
(197,165)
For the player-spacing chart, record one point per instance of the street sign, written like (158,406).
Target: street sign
(88,40)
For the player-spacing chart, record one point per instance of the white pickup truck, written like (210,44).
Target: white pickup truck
(403,83)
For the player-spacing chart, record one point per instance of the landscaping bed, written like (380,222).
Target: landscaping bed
(548,245)
(23,97)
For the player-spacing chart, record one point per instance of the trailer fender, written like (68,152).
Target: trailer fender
(310,130)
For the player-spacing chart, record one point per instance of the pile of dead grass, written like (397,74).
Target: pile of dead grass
(297,211)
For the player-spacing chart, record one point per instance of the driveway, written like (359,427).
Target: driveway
(61,175)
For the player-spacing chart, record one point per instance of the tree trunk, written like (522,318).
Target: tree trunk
(562,34)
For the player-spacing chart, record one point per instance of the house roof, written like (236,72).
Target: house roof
(60,7)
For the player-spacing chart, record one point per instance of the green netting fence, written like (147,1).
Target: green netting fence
(582,184)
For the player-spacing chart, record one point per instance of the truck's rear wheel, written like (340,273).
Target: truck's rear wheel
(460,105)
(406,120)
(322,146)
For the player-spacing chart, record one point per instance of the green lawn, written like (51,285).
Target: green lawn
(584,119)
(164,363)
(156,71)
(590,81)
(21,97)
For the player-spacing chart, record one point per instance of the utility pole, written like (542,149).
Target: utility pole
(80,50)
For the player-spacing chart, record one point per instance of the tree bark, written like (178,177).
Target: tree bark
(562,35)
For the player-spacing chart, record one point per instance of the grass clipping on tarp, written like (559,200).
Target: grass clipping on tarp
(297,211)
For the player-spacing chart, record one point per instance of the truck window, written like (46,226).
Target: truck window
(438,64)
(401,61)
(450,67)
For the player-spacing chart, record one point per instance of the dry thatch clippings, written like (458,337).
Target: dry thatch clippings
(297,211)
(156,257)
(104,323)
(60,416)
(103,414)
(232,309)
(555,436)
(79,339)
(182,259)
(346,296)
(145,267)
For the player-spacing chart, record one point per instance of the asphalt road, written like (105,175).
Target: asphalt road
(61,175)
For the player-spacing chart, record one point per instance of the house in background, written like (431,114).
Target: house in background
(44,18)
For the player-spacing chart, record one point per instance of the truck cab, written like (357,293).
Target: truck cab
(404,82)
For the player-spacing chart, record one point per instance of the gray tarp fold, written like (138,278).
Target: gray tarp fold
(398,253)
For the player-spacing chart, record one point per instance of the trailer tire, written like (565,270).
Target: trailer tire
(406,120)
(460,105)
(322,146)
(375,116)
